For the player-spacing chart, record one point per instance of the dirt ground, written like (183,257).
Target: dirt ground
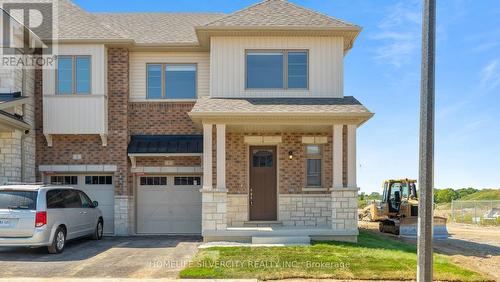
(474,247)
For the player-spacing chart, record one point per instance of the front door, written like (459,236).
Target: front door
(263,196)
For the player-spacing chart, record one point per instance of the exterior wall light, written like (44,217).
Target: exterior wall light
(290,155)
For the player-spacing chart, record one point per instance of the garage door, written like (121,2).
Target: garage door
(169,205)
(99,188)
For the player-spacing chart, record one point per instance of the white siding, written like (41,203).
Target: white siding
(228,65)
(98,65)
(77,114)
(138,61)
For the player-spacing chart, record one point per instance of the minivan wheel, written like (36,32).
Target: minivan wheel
(59,242)
(99,229)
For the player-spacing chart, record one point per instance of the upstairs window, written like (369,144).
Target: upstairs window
(73,75)
(171,81)
(277,69)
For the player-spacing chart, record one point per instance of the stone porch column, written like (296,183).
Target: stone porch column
(214,201)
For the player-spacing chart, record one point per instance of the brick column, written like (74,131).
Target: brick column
(337,156)
(221,157)
(351,156)
(118,95)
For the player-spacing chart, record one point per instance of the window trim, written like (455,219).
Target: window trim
(163,83)
(73,76)
(285,68)
(322,171)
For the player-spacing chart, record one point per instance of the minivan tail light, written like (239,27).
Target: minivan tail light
(40,219)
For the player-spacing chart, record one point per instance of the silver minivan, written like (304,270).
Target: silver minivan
(47,215)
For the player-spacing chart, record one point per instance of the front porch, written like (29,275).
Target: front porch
(280,173)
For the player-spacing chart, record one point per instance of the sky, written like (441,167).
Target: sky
(383,72)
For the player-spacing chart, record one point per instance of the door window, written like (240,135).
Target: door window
(262,158)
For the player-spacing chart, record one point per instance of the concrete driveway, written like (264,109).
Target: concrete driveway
(112,257)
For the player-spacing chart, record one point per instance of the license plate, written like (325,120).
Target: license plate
(4,223)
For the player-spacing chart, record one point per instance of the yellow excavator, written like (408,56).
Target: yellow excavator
(397,212)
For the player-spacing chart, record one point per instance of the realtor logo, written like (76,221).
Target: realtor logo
(27,26)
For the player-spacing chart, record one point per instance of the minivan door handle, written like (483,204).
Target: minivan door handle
(83,212)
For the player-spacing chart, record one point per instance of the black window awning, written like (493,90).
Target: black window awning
(166,144)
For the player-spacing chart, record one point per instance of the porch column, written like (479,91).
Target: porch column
(221,157)
(207,156)
(337,156)
(351,156)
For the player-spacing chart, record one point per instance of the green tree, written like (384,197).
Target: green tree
(445,195)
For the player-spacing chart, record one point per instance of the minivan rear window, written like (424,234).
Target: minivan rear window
(18,200)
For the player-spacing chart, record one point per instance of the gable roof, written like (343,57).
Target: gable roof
(270,17)
(76,24)
(278,13)
(157,28)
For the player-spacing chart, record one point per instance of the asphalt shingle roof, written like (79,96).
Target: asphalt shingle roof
(75,23)
(158,28)
(278,13)
(346,105)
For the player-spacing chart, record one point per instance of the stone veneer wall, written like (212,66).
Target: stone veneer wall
(214,210)
(305,210)
(237,209)
(17,148)
(345,210)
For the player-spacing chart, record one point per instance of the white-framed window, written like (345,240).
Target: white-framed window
(314,165)
(171,81)
(73,75)
(98,180)
(187,180)
(153,180)
(64,180)
(277,69)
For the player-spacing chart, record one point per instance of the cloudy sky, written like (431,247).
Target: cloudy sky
(383,72)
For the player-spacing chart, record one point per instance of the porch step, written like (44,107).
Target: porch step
(262,223)
(281,240)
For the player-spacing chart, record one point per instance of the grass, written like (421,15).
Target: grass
(485,194)
(374,257)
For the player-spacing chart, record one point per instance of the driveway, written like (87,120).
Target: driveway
(112,257)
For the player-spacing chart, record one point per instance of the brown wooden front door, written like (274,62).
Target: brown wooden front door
(263,196)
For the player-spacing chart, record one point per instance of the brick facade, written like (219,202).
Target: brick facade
(291,173)
(158,118)
(90,146)
(168,161)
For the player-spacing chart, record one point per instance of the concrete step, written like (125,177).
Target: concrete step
(262,223)
(281,240)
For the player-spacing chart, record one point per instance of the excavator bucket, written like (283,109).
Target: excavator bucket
(408,227)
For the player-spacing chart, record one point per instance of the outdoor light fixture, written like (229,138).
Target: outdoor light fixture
(290,155)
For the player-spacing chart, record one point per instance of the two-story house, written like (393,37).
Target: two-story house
(231,126)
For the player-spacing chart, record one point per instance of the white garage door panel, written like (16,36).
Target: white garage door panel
(169,209)
(105,195)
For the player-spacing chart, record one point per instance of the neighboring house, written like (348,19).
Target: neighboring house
(17,113)
(216,124)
